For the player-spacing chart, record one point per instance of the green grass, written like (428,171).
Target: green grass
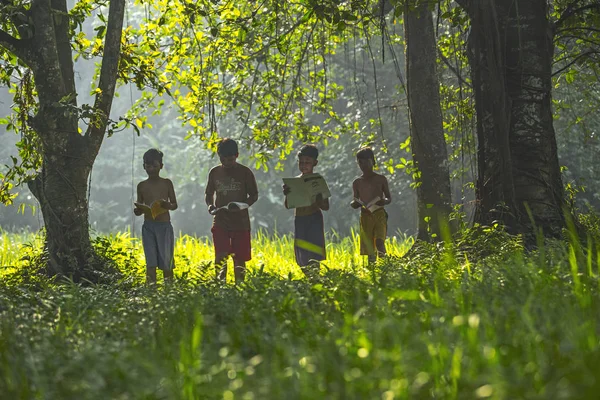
(477,319)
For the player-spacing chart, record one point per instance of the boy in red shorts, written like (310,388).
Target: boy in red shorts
(231,182)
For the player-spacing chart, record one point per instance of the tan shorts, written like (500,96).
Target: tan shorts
(373,226)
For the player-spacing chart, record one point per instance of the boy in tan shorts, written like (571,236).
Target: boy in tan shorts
(371,193)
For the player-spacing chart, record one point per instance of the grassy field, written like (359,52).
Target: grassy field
(479,318)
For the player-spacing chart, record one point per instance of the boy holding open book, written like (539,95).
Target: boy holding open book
(371,194)
(308,198)
(155,198)
(230,190)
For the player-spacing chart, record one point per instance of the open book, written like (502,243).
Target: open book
(231,206)
(304,190)
(370,206)
(153,209)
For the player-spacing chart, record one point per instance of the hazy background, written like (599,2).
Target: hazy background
(118,167)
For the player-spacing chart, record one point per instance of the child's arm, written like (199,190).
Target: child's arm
(171,203)
(209,194)
(286,191)
(355,204)
(386,192)
(252,190)
(209,199)
(137,211)
(322,203)
(252,198)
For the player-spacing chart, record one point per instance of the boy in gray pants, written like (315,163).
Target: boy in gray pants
(155,198)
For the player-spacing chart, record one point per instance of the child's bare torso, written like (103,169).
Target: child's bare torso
(370,187)
(153,189)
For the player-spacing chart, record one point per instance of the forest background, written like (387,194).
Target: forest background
(367,73)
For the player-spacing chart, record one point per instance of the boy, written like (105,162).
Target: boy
(231,182)
(309,235)
(366,188)
(157,232)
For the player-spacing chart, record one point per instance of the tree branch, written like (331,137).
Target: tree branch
(453,69)
(580,56)
(19,16)
(578,28)
(16,46)
(45,63)
(108,75)
(9,42)
(570,11)
(63,45)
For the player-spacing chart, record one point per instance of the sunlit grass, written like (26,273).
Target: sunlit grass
(273,254)
(15,248)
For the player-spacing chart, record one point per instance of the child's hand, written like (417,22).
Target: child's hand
(211,209)
(164,204)
(286,189)
(354,204)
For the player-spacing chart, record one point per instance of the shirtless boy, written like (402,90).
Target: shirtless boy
(157,232)
(367,187)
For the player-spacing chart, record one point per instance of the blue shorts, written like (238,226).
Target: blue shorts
(309,238)
(159,243)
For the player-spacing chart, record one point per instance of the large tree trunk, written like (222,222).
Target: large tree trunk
(61,189)
(427,136)
(510,51)
(67,155)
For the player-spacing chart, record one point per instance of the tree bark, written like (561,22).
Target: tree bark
(510,52)
(428,145)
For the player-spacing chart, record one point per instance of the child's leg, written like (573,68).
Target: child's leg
(380,243)
(167,262)
(221,266)
(150,275)
(240,245)
(150,244)
(222,244)
(367,241)
(239,270)
(309,243)
(168,274)
(311,270)
(380,232)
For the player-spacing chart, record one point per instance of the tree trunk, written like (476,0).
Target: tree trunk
(427,136)
(61,187)
(510,52)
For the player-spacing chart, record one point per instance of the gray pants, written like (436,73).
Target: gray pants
(159,242)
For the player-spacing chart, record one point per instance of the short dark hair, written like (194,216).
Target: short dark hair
(309,150)
(365,153)
(153,155)
(227,147)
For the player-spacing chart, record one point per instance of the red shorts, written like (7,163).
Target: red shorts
(234,243)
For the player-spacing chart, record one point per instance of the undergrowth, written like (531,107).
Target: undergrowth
(478,317)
